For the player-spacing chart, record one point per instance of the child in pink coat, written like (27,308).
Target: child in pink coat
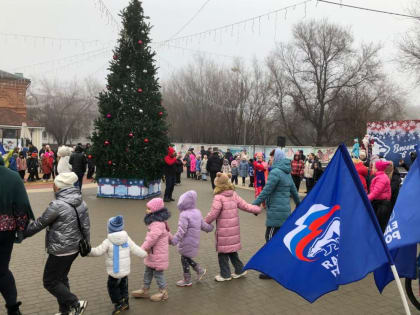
(156,245)
(228,238)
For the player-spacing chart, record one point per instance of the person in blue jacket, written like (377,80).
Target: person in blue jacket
(356,149)
(276,194)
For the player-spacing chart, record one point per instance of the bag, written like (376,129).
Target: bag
(84,244)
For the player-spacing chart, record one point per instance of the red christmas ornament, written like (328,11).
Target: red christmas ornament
(146,140)
(140,42)
(90,156)
(160,113)
(139,90)
(109,162)
(106,142)
(131,135)
(115,57)
(108,115)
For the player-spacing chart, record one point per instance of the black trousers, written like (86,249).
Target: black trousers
(170,184)
(56,280)
(178,178)
(243,180)
(251,181)
(310,183)
(297,179)
(212,177)
(270,232)
(91,171)
(7,281)
(117,289)
(188,171)
(383,212)
(186,263)
(224,264)
(22,174)
(80,180)
(235,179)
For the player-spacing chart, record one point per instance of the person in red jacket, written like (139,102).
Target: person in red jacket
(170,174)
(259,174)
(362,170)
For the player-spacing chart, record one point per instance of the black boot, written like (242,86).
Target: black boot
(264,276)
(14,309)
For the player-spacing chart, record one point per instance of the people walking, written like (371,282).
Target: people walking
(78,164)
(169,171)
(156,245)
(187,237)
(117,248)
(224,211)
(276,194)
(13,221)
(67,220)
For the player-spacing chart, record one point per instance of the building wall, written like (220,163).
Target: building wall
(13,96)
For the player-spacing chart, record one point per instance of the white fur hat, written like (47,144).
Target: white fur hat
(64,151)
(65,180)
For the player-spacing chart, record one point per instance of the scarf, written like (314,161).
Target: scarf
(116,268)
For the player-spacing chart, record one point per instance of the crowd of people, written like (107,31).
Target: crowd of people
(31,163)
(67,220)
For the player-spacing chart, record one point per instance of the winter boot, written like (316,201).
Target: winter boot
(126,304)
(141,294)
(200,272)
(186,282)
(14,309)
(162,295)
(79,308)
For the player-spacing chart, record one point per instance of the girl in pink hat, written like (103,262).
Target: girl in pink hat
(156,245)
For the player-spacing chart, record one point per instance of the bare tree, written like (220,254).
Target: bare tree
(66,110)
(318,65)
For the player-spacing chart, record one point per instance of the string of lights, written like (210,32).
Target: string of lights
(231,27)
(371,10)
(107,13)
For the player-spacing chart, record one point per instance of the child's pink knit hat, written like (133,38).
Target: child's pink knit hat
(155,204)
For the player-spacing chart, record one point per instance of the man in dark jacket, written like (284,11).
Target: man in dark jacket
(90,163)
(228,156)
(62,240)
(169,171)
(78,163)
(214,165)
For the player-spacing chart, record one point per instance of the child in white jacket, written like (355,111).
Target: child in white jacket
(117,248)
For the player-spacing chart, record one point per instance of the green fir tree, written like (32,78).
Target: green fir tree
(130,138)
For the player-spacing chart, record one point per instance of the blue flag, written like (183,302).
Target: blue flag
(332,237)
(403,231)
(2,151)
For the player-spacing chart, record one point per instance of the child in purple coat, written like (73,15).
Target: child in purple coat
(187,237)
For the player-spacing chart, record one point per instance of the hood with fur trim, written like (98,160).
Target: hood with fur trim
(160,216)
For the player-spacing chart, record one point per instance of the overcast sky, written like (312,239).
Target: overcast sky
(82,19)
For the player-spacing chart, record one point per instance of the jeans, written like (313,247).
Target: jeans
(56,280)
(7,281)
(148,277)
(234,179)
(79,182)
(169,189)
(224,264)
(297,179)
(186,263)
(117,289)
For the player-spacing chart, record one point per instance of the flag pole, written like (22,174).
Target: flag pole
(375,222)
(400,290)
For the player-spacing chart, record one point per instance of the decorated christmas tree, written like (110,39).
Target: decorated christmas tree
(130,137)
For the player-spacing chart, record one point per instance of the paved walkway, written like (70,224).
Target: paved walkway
(248,295)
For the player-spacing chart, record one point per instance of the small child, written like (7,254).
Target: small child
(235,172)
(21,165)
(156,245)
(13,162)
(187,238)
(225,167)
(193,166)
(228,238)
(198,167)
(117,248)
(251,172)
(33,167)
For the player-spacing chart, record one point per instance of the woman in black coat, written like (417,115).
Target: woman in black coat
(395,178)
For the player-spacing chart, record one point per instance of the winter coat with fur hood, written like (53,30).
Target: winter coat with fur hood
(125,247)
(63,164)
(224,211)
(156,243)
(190,225)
